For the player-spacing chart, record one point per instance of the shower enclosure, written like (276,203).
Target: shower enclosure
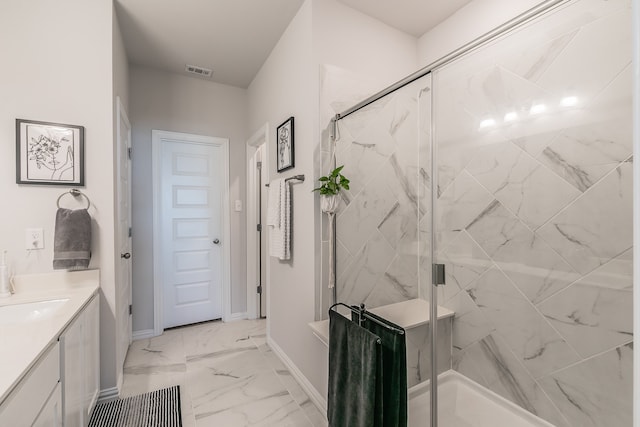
(510,163)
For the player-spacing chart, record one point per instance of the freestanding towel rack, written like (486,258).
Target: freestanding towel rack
(295,177)
(362,313)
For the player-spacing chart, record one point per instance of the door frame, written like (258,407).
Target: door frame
(158,282)
(260,137)
(121,116)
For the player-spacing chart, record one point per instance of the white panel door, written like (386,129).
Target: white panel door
(262,206)
(191,231)
(256,238)
(123,315)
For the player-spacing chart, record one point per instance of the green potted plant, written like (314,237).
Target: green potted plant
(330,186)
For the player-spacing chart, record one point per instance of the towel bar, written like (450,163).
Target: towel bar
(296,177)
(361,312)
(75,193)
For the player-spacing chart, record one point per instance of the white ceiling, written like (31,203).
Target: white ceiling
(414,17)
(232,37)
(235,37)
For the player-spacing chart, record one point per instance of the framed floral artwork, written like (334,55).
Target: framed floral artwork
(49,153)
(284,143)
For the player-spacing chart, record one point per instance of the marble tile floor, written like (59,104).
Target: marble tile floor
(227,373)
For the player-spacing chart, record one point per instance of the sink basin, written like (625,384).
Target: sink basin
(30,312)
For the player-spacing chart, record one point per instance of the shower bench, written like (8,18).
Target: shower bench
(414,316)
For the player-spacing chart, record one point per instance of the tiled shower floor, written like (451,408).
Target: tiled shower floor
(228,376)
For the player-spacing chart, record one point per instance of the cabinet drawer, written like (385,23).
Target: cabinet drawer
(25,402)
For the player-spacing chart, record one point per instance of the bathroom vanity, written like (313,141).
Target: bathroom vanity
(50,358)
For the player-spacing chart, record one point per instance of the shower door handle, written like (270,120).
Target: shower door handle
(437,274)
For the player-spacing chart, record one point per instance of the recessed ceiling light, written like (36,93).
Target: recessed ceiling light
(487,123)
(569,101)
(510,117)
(538,109)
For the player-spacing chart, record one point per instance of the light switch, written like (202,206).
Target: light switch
(34,238)
(238,206)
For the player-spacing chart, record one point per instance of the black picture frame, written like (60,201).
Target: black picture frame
(49,153)
(285,153)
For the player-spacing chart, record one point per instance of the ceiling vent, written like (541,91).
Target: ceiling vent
(198,71)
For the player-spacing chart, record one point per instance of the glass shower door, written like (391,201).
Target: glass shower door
(533,218)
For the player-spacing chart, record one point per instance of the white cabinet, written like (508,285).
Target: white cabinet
(62,385)
(92,355)
(73,373)
(80,343)
(51,414)
(33,399)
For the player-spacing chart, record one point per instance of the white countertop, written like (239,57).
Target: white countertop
(23,343)
(408,314)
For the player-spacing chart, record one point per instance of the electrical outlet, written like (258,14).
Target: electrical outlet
(34,239)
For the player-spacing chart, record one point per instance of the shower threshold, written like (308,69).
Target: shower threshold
(465,403)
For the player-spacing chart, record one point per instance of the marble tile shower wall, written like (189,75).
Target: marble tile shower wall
(534,213)
(379,250)
(378,255)
(339,90)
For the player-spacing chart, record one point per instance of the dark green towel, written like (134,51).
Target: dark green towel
(355,389)
(394,371)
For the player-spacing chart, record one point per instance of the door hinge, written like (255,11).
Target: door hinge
(129,152)
(259,289)
(259,227)
(129,231)
(259,165)
(130,309)
(437,273)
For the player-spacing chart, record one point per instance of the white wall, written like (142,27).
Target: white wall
(351,40)
(284,87)
(172,102)
(57,67)
(468,23)
(288,85)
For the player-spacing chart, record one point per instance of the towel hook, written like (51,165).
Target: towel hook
(75,193)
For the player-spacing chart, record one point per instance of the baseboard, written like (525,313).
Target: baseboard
(237,316)
(316,398)
(141,335)
(108,394)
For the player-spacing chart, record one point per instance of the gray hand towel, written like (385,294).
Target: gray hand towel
(72,241)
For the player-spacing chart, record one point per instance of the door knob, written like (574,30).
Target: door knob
(125,255)
(216,242)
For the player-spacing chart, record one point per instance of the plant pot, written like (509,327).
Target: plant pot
(329,204)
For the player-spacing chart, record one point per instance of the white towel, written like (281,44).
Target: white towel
(279,219)
(273,203)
